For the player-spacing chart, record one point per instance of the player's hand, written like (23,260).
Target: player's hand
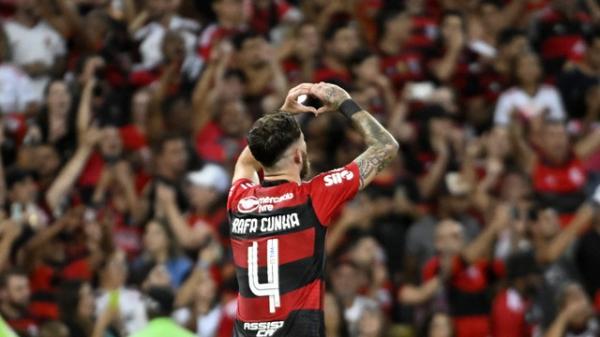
(291,104)
(331,95)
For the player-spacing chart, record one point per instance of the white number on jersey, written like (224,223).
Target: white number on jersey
(271,288)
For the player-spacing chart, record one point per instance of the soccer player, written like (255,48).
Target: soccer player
(278,226)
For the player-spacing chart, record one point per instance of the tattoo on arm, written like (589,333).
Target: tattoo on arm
(382,147)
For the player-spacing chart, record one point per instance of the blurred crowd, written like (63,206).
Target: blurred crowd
(121,121)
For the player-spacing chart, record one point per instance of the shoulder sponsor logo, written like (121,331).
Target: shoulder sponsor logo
(263,204)
(338,177)
(264,329)
(248,205)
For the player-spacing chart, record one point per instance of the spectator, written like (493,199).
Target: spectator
(159,304)
(449,62)
(421,246)
(202,311)
(399,62)
(488,83)
(340,41)
(576,314)
(16,86)
(578,79)
(54,329)
(345,281)
(468,271)
(35,45)
(231,19)
(76,304)
(267,15)
(113,291)
(205,188)
(513,310)
(371,323)
(371,88)
(556,169)
(16,296)
(161,248)
(56,123)
(437,325)
(585,255)
(334,317)
(557,46)
(161,17)
(257,60)
(529,98)
(300,53)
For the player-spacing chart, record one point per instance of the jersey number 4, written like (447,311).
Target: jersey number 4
(271,288)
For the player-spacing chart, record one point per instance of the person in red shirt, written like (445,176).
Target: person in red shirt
(289,217)
(487,82)
(340,42)
(265,15)
(399,62)
(511,306)
(230,21)
(205,189)
(450,59)
(300,54)
(468,273)
(559,33)
(556,168)
(222,139)
(265,80)
(371,88)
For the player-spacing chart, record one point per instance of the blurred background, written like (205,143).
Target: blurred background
(121,121)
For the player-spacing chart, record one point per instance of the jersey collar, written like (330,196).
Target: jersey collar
(270,183)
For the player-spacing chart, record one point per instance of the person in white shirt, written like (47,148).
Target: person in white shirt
(15,86)
(162,17)
(529,98)
(35,46)
(113,275)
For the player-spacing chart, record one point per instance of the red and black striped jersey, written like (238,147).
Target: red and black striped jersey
(278,238)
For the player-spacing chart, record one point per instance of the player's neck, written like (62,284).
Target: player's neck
(282,175)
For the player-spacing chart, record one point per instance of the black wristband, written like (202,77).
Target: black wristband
(349,107)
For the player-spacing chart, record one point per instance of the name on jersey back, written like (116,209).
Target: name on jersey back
(267,224)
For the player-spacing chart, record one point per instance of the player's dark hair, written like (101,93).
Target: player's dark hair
(271,136)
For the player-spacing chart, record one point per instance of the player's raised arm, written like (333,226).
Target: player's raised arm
(247,166)
(381,145)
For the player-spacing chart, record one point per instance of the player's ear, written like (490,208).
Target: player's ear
(298,156)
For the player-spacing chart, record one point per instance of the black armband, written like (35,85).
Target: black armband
(349,107)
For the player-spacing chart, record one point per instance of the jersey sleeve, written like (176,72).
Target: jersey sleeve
(237,189)
(330,190)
